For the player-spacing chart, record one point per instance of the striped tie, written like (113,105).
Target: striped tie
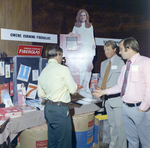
(125,78)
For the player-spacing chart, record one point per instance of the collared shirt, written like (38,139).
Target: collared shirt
(56,83)
(112,59)
(116,66)
(138,82)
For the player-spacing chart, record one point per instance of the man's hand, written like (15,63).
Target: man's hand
(98,93)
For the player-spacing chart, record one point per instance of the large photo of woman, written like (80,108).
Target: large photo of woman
(83,27)
(79,51)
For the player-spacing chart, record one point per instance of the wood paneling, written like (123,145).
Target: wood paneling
(17,15)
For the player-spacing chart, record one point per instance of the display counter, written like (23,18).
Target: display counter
(35,118)
(18,124)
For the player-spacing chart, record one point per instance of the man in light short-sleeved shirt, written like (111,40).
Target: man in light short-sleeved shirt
(55,84)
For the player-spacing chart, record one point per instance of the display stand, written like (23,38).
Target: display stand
(70,43)
(7,60)
(6,78)
(79,56)
(22,63)
(23,68)
(27,120)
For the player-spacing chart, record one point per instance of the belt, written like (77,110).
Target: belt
(58,103)
(132,104)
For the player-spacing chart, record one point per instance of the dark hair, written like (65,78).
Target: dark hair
(130,42)
(52,51)
(78,23)
(111,43)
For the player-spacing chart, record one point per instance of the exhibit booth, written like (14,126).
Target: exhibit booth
(18,87)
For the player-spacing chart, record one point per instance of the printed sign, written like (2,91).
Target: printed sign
(31,91)
(24,72)
(29,50)
(102,41)
(25,36)
(4,88)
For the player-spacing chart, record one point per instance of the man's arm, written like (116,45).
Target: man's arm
(145,105)
(98,93)
(113,90)
(69,81)
(41,93)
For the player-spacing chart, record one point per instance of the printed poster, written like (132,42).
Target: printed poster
(2,68)
(7,71)
(31,91)
(35,74)
(24,72)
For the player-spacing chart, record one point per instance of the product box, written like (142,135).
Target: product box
(26,108)
(94,79)
(101,132)
(3,122)
(35,137)
(83,126)
(35,103)
(10,112)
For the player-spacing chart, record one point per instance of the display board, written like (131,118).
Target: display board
(79,54)
(70,43)
(6,79)
(19,75)
(43,63)
(26,72)
(4,62)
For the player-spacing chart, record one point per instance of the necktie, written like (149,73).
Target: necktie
(106,76)
(125,78)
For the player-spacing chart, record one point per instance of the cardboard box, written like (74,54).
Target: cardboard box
(101,132)
(83,126)
(35,137)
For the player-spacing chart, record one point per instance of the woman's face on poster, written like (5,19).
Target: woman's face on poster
(83,17)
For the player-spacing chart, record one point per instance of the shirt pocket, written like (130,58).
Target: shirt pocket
(135,76)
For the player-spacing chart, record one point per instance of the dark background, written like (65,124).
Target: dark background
(110,18)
